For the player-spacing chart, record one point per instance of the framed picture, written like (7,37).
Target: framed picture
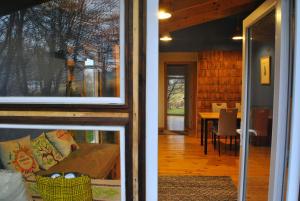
(265,70)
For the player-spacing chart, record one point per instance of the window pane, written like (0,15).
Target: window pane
(97,154)
(61,48)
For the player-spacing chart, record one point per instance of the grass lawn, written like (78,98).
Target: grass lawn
(176,111)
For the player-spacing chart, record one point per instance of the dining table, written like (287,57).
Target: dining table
(205,118)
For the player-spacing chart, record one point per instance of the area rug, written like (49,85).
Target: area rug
(196,188)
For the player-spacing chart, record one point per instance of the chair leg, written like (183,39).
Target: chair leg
(215,141)
(219,146)
(212,132)
(230,143)
(235,146)
(215,128)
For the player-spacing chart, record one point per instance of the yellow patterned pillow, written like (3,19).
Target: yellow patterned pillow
(45,153)
(63,141)
(17,155)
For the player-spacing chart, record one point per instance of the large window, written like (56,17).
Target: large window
(68,57)
(45,150)
(62,49)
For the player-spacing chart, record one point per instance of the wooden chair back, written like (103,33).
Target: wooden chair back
(238,106)
(227,122)
(260,121)
(216,107)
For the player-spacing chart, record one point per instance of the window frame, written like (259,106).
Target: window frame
(92,114)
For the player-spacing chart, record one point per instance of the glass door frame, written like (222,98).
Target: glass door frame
(151,112)
(293,178)
(281,98)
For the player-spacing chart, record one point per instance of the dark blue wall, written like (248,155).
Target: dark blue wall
(11,134)
(263,44)
(262,95)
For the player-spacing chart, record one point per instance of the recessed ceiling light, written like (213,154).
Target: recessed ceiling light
(237,38)
(162,15)
(166,37)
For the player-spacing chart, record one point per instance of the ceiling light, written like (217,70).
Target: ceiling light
(166,37)
(162,15)
(237,37)
(238,33)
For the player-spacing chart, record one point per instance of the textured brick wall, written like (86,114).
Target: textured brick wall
(219,78)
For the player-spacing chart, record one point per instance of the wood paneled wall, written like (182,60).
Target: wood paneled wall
(219,78)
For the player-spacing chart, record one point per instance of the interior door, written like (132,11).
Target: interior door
(265,102)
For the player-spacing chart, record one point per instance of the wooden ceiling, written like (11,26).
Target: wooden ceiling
(187,13)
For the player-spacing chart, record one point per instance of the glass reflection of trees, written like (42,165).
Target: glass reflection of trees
(45,49)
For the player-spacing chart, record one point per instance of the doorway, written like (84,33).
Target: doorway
(265,147)
(176,102)
(176,97)
(180,103)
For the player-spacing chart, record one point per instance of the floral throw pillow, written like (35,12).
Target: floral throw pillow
(17,155)
(63,141)
(45,153)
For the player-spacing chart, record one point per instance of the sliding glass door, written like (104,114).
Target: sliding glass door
(265,102)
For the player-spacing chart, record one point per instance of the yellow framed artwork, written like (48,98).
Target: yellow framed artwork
(265,70)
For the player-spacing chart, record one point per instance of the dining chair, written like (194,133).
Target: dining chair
(260,122)
(226,127)
(238,106)
(216,107)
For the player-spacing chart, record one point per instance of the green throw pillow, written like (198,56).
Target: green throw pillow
(45,153)
(63,141)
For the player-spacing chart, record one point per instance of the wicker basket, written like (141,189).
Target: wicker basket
(62,189)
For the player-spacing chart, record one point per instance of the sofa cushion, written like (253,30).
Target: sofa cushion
(63,141)
(94,160)
(17,155)
(45,153)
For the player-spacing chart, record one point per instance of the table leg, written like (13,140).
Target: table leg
(205,136)
(202,130)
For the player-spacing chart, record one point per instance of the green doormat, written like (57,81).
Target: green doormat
(196,188)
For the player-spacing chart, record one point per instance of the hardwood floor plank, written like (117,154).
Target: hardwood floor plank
(183,155)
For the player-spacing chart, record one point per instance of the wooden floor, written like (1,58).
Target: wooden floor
(183,155)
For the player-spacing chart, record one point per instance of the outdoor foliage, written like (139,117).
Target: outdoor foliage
(175,96)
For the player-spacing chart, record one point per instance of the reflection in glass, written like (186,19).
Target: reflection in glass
(89,152)
(262,61)
(61,48)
